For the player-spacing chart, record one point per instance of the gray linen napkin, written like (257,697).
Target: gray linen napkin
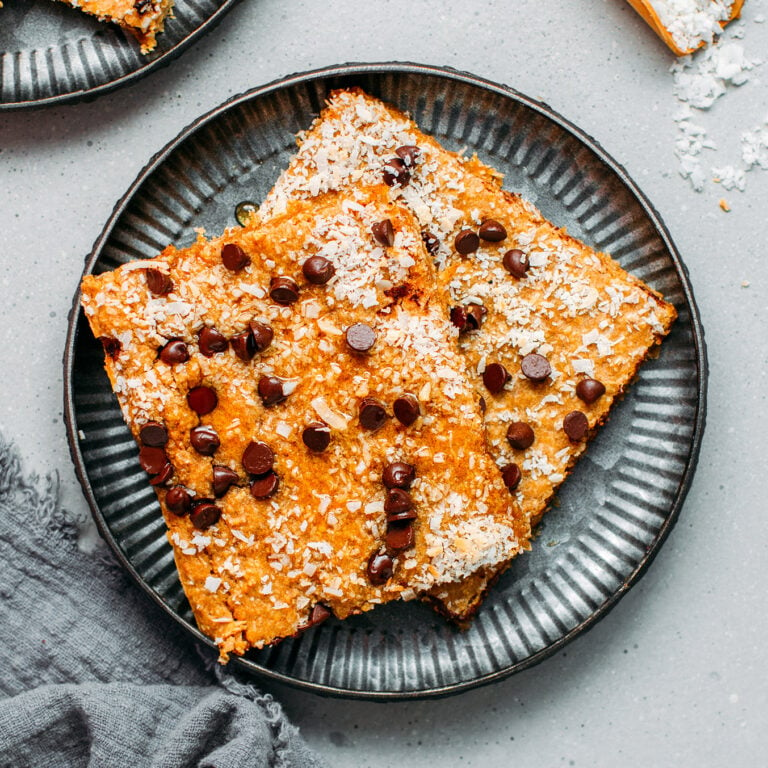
(92,673)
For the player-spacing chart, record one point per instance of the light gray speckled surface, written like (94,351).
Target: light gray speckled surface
(675,675)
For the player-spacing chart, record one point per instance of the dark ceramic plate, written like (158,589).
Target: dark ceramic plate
(51,54)
(614,512)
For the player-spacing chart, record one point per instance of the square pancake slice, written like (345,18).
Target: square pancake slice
(302,409)
(552,332)
(144,19)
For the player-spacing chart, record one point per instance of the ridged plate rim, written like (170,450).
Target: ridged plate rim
(152,62)
(699,349)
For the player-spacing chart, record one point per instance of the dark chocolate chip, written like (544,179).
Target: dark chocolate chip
(431,243)
(466,242)
(223,479)
(398,474)
(163,476)
(360,337)
(576,426)
(174,352)
(111,346)
(395,171)
(258,458)
(244,345)
(373,413)
(204,514)
(536,367)
(202,400)
(511,476)
(234,257)
(520,435)
(262,334)
(493,231)
(178,500)
(152,460)
(244,211)
(399,536)
(283,290)
(316,436)
(410,154)
(265,486)
(380,568)
(211,341)
(318,270)
(384,232)
(495,376)
(204,439)
(475,315)
(271,390)
(459,318)
(590,390)
(319,614)
(153,433)
(158,282)
(516,263)
(398,501)
(406,409)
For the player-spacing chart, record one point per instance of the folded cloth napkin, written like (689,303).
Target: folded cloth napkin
(92,673)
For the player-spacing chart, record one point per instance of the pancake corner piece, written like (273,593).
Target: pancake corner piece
(301,406)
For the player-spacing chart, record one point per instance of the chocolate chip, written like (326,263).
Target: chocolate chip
(398,474)
(158,282)
(409,154)
(265,486)
(406,409)
(520,435)
(395,171)
(399,536)
(223,479)
(316,436)
(590,390)
(204,439)
(178,500)
(360,337)
(384,232)
(398,501)
(111,346)
(516,263)
(152,459)
(319,614)
(576,426)
(431,243)
(164,475)
(511,476)
(244,345)
(466,242)
(271,390)
(153,433)
(495,376)
(174,352)
(536,367)
(493,231)
(262,334)
(210,341)
(204,514)
(258,458)
(459,318)
(380,568)
(234,257)
(475,315)
(283,290)
(318,270)
(373,413)
(202,400)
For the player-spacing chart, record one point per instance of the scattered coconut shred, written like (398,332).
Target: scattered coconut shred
(701,79)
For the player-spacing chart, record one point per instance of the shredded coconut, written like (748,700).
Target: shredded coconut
(692,22)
